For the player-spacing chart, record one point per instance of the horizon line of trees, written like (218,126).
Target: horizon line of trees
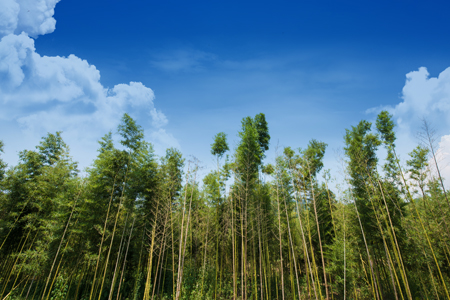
(142,227)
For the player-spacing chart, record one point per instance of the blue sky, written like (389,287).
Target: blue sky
(188,70)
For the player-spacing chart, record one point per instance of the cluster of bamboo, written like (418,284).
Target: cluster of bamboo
(138,227)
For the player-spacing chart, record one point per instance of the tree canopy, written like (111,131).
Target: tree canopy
(137,225)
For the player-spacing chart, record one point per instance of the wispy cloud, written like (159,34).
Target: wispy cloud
(186,60)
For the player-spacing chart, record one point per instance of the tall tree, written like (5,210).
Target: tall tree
(40,193)
(248,160)
(361,146)
(2,163)
(418,167)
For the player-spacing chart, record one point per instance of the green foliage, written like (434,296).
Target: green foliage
(250,152)
(220,146)
(385,126)
(212,188)
(172,171)
(60,290)
(131,133)
(313,155)
(40,192)
(2,163)
(268,169)
(326,204)
(418,165)
(263,131)
(131,222)
(361,146)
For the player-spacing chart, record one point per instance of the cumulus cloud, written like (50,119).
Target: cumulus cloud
(424,98)
(34,17)
(428,98)
(9,12)
(158,118)
(41,94)
(443,158)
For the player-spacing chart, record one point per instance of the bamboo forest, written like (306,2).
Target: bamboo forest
(138,226)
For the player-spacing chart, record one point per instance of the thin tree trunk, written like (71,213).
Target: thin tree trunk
(318,232)
(233,246)
(260,253)
(304,242)
(15,262)
(150,257)
(183,213)
(125,259)
(181,266)
(374,288)
(204,259)
(110,247)
(345,258)
(280,237)
(292,247)
(421,223)
(429,138)
(117,260)
(161,253)
(103,237)
(60,243)
(390,271)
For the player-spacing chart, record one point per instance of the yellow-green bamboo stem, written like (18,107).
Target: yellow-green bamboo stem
(125,259)
(186,237)
(150,257)
(103,237)
(60,243)
(304,244)
(280,237)
(318,232)
(15,262)
(113,283)
(423,227)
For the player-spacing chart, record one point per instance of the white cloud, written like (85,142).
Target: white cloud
(158,118)
(182,60)
(40,94)
(9,16)
(162,139)
(34,17)
(424,98)
(442,158)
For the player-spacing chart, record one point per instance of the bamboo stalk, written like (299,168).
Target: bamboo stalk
(60,243)
(183,212)
(423,228)
(280,237)
(111,290)
(185,240)
(292,248)
(9,293)
(161,252)
(150,257)
(15,262)
(125,259)
(318,232)
(304,242)
(103,236)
